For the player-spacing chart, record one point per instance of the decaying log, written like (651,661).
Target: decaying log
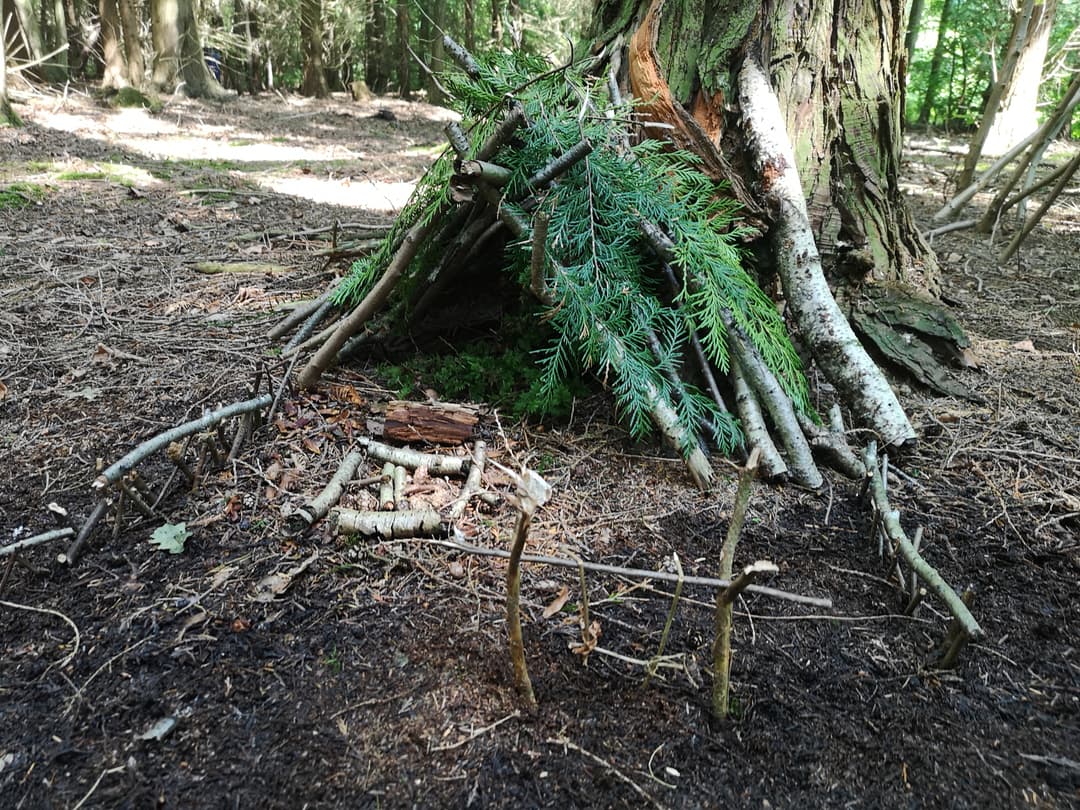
(434,423)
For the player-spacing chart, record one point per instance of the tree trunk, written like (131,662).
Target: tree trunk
(437,53)
(496,23)
(78,51)
(841,109)
(311,33)
(129,24)
(913,27)
(933,81)
(165,36)
(178,51)
(404,70)
(115,75)
(839,95)
(377,48)
(470,24)
(1020,98)
(7,115)
(1018,38)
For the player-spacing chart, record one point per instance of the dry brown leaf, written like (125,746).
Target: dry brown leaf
(310,445)
(3,391)
(557,603)
(270,587)
(589,641)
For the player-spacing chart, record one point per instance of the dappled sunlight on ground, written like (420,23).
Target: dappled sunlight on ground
(320,151)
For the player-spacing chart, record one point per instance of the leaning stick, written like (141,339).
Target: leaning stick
(114,473)
(72,553)
(890,522)
(300,312)
(371,304)
(1067,173)
(37,539)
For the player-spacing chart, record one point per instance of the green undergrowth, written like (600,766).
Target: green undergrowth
(20,195)
(501,372)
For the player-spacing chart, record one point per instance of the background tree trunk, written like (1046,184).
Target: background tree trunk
(178,51)
(129,25)
(115,75)
(404,57)
(165,36)
(933,81)
(1016,113)
(7,115)
(1022,22)
(311,35)
(377,49)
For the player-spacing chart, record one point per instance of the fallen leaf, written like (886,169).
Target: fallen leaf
(170,537)
(3,390)
(158,731)
(272,586)
(589,640)
(557,603)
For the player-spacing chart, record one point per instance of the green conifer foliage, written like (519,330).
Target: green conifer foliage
(612,310)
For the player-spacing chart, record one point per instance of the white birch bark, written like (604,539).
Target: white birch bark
(821,323)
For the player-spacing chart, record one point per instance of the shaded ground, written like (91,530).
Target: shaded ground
(379,678)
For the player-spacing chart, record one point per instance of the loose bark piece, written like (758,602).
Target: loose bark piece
(821,323)
(434,423)
(388,525)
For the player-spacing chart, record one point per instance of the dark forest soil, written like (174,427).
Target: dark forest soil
(379,677)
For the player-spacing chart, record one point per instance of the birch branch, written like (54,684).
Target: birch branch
(828,334)
(113,474)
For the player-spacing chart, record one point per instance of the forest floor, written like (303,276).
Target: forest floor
(377,675)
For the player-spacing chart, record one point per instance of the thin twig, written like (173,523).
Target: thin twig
(48,611)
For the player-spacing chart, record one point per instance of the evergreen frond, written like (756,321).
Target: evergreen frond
(613,312)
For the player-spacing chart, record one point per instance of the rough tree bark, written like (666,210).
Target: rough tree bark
(178,51)
(311,34)
(835,70)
